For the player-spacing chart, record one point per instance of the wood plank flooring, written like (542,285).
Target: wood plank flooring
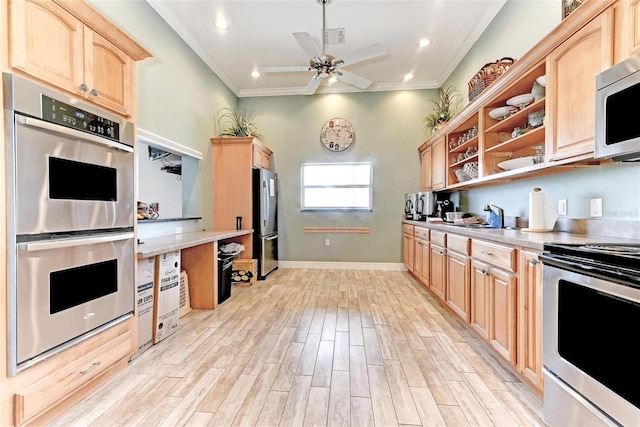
(316,348)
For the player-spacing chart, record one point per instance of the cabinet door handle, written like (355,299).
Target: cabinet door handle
(533,261)
(94,92)
(484,272)
(90,368)
(84,87)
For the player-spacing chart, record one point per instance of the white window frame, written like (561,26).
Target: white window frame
(303,187)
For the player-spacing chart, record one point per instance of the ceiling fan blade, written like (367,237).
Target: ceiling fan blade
(306,42)
(284,69)
(352,79)
(362,54)
(313,85)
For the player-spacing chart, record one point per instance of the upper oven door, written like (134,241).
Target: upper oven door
(617,129)
(69,180)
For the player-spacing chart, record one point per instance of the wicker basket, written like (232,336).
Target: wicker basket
(487,75)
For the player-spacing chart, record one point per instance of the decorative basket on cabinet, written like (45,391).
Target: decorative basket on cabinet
(487,75)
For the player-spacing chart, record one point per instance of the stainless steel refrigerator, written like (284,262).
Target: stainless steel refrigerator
(265,221)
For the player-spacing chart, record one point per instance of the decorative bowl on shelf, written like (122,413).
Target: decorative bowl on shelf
(502,112)
(536,118)
(471,169)
(518,162)
(542,80)
(521,101)
(461,175)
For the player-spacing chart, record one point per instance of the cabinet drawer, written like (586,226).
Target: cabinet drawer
(408,229)
(497,255)
(439,238)
(459,244)
(422,233)
(40,396)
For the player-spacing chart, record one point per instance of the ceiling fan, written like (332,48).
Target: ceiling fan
(325,65)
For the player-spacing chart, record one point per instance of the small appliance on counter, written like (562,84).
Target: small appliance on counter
(410,206)
(425,204)
(443,205)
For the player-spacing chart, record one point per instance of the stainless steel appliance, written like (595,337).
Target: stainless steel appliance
(425,205)
(617,127)
(70,212)
(265,221)
(410,200)
(591,347)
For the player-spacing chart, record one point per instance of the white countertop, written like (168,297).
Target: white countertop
(519,237)
(152,246)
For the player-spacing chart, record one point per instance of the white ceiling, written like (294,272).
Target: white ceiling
(260,35)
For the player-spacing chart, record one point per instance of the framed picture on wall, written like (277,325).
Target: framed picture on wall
(569,6)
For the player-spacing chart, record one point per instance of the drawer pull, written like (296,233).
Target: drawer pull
(486,253)
(86,371)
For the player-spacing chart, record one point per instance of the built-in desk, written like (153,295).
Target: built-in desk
(199,255)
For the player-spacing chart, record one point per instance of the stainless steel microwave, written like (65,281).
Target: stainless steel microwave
(617,122)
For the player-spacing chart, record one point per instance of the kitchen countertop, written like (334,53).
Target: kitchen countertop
(518,237)
(152,246)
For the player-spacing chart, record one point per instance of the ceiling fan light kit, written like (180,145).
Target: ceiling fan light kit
(326,65)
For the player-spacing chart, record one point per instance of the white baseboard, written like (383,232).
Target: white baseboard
(330,265)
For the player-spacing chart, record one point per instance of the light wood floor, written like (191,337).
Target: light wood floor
(316,347)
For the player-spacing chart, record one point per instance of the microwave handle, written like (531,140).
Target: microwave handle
(30,121)
(67,243)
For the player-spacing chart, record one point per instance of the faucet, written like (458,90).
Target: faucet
(496,216)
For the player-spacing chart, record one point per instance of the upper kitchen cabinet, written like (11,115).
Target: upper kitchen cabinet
(425,167)
(432,160)
(627,29)
(68,44)
(571,87)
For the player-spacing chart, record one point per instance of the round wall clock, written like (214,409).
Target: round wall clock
(337,134)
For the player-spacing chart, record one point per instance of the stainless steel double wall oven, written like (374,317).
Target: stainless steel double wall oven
(70,217)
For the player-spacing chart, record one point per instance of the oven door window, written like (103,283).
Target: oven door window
(79,285)
(621,121)
(598,332)
(71,180)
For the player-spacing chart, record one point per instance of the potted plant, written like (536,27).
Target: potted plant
(237,122)
(444,108)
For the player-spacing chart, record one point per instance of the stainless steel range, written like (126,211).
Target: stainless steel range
(70,217)
(591,334)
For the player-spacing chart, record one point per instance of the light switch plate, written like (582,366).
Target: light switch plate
(596,208)
(562,207)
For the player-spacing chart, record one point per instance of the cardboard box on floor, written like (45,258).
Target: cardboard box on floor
(145,304)
(185,301)
(167,286)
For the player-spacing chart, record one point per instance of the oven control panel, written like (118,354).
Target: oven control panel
(67,115)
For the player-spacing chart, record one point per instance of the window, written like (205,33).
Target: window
(331,186)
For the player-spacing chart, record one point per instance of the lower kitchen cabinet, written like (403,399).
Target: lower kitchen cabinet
(479,316)
(529,307)
(502,313)
(438,264)
(458,276)
(408,247)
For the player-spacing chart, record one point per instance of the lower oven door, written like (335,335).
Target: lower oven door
(68,287)
(591,341)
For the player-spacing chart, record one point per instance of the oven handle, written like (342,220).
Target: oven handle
(29,121)
(67,243)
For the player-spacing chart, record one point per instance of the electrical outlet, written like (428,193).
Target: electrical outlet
(596,208)
(327,242)
(178,230)
(562,207)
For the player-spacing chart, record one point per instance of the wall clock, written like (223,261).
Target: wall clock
(337,134)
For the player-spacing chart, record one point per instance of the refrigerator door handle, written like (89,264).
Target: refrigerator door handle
(271,238)
(265,196)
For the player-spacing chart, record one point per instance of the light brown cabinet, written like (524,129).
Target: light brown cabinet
(425,169)
(421,255)
(438,262)
(438,164)
(408,246)
(571,87)
(502,313)
(529,308)
(458,290)
(234,159)
(52,42)
(479,307)
(627,28)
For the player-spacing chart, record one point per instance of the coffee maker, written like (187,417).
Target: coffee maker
(410,206)
(443,205)
(425,205)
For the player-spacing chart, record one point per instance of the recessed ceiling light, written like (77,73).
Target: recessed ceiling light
(221,24)
(255,74)
(408,77)
(424,43)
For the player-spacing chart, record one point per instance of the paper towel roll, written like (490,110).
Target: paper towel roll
(542,215)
